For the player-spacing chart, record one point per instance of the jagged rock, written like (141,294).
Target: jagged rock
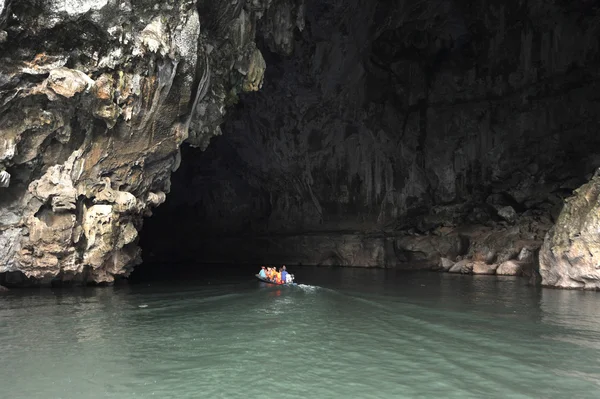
(155,199)
(507,213)
(526,256)
(569,256)
(56,187)
(256,70)
(507,242)
(91,122)
(509,268)
(67,82)
(430,248)
(153,38)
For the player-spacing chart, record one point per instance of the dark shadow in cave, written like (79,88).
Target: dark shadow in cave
(172,239)
(384,128)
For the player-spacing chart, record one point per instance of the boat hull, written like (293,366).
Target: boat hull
(270,282)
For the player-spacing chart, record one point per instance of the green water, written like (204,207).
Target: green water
(345,333)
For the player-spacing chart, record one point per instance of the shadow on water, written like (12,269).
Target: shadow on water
(196,273)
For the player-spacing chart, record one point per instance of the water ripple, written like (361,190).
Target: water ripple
(432,337)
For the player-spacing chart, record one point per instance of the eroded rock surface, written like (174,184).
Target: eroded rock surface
(509,268)
(570,256)
(96,98)
(384,134)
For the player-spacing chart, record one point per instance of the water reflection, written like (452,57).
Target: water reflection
(577,313)
(574,309)
(465,337)
(56,335)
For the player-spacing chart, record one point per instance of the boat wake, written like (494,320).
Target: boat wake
(309,288)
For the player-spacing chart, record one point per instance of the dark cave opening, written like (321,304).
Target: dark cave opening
(394,138)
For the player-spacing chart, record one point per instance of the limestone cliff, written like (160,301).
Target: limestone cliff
(570,256)
(96,97)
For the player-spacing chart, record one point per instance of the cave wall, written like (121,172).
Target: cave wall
(385,133)
(440,120)
(95,99)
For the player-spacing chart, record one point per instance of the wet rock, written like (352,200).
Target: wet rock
(464,266)
(569,256)
(484,268)
(468,266)
(509,268)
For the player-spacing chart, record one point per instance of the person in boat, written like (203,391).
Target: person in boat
(284,274)
(289,278)
(262,273)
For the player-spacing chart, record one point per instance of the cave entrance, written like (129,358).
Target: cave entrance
(176,239)
(384,134)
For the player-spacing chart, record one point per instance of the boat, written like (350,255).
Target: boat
(270,282)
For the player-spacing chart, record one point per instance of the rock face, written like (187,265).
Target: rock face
(570,256)
(484,268)
(96,98)
(414,122)
(509,268)
(383,134)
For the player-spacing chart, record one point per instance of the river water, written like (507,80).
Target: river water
(343,333)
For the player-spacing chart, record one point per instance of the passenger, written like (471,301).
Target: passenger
(278,277)
(262,273)
(289,278)
(284,274)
